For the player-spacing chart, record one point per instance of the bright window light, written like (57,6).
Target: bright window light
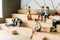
(0,8)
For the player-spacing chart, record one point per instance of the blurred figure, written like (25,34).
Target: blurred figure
(17,21)
(28,10)
(42,11)
(56,20)
(37,27)
(47,13)
(29,13)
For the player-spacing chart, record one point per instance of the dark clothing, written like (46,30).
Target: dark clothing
(18,21)
(46,16)
(55,23)
(42,14)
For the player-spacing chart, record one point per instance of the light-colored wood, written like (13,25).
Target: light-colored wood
(3,26)
(35,11)
(24,11)
(24,16)
(34,16)
(21,16)
(50,36)
(4,35)
(8,20)
(51,17)
(58,27)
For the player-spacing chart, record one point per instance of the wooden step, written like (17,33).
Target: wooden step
(21,16)
(51,17)
(24,16)
(3,26)
(50,36)
(22,31)
(8,20)
(58,27)
(24,11)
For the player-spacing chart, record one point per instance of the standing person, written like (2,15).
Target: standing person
(42,12)
(47,13)
(29,13)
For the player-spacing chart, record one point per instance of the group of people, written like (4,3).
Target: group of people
(44,14)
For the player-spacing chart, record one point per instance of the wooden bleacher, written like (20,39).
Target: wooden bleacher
(35,11)
(23,11)
(50,36)
(28,25)
(24,16)
(58,27)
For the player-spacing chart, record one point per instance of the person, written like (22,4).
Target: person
(39,15)
(42,11)
(13,24)
(47,13)
(29,13)
(56,20)
(37,27)
(29,10)
(17,21)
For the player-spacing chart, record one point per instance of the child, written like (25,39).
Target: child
(28,12)
(47,13)
(37,27)
(17,21)
(42,12)
(56,20)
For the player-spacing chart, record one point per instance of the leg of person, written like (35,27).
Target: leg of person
(16,23)
(41,17)
(21,22)
(32,34)
(54,24)
(48,15)
(44,18)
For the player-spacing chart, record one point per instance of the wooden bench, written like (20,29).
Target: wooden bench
(58,27)
(21,16)
(9,20)
(22,31)
(4,35)
(45,26)
(27,23)
(24,11)
(3,26)
(51,17)
(24,16)
(50,36)
(34,11)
